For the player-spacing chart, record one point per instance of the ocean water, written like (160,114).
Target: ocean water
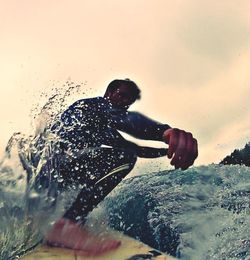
(200,213)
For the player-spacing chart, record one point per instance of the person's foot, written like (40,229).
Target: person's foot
(71,235)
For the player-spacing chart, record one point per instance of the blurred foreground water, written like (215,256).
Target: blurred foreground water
(200,213)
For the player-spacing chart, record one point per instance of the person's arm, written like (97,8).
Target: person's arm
(183,148)
(144,151)
(140,126)
(150,152)
(115,139)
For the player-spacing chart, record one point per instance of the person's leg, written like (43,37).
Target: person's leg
(99,173)
(102,171)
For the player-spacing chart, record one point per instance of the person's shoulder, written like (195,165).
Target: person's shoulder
(134,114)
(88,101)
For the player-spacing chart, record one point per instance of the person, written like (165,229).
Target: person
(92,153)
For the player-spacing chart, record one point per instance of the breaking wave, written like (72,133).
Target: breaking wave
(200,213)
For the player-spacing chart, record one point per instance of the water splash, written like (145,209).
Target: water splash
(26,213)
(50,105)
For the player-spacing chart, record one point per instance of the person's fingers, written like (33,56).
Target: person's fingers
(171,138)
(191,153)
(180,150)
(188,155)
(183,148)
(195,149)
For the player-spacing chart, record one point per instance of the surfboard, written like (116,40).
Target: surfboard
(130,249)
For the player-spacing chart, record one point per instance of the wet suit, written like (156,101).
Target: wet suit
(94,154)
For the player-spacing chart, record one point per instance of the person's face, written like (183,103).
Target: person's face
(121,97)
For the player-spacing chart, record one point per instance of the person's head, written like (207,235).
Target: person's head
(122,93)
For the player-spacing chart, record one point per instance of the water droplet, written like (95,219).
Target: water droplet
(33,195)
(60,180)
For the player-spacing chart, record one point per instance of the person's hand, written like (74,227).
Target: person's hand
(183,148)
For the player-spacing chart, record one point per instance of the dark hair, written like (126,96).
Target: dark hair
(115,84)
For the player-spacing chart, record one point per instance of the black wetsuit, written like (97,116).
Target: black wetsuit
(83,130)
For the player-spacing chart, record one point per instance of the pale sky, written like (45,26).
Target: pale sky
(191,60)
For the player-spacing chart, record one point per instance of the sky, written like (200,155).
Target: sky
(191,60)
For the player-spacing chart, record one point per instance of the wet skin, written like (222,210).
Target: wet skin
(71,235)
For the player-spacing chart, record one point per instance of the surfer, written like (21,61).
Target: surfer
(95,155)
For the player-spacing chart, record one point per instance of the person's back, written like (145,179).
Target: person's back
(83,123)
